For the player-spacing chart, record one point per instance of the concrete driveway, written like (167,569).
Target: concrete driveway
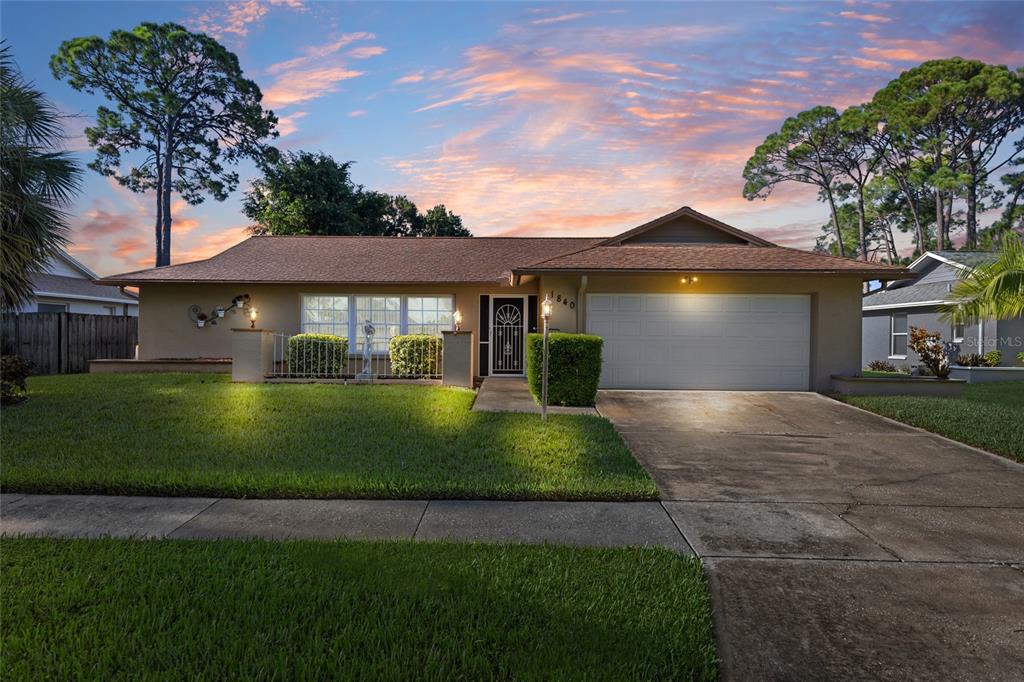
(839,545)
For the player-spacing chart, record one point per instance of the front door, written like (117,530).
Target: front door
(508,335)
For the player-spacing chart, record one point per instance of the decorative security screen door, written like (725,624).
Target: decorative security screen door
(508,335)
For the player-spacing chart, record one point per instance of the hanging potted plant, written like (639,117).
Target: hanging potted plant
(201,320)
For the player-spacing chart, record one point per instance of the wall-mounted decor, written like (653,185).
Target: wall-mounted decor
(202,319)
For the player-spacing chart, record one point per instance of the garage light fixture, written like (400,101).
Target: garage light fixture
(691,279)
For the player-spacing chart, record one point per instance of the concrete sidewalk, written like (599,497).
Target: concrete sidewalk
(599,524)
(511,394)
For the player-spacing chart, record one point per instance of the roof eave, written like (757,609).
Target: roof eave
(863,274)
(310,282)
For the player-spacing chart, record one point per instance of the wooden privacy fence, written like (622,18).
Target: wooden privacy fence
(64,343)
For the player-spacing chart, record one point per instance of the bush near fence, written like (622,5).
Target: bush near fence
(317,354)
(415,355)
(574,367)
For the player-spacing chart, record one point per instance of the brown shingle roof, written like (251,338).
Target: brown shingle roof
(711,258)
(399,260)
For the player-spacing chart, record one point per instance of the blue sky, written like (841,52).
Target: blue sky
(536,118)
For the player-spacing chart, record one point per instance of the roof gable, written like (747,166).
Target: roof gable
(685,226)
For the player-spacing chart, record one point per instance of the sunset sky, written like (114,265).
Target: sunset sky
(526,119)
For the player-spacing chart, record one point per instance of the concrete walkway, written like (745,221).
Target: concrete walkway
(511,394)
(598,524)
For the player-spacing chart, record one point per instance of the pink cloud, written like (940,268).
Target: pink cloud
(409,78)
(357,113)
(304,85)
(286,125)
(794,74)
(236,18)
(366,52)
(870,18)
(559,18)
(869,64)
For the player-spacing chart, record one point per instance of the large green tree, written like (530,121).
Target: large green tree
(952,117)
(183,112)
(801,151)
(38,181)
(311,193)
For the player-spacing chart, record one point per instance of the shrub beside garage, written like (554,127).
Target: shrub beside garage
(574,367)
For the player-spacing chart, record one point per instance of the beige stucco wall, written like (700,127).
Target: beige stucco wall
(564,293)
(835,309)
(166,331)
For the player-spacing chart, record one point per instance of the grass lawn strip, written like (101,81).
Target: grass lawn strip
(223,609)
(180,434)
(988,416)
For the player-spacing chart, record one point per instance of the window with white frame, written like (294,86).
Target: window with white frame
(384,313)
(345,315)
(428,314)
(325,315)
(958,333)
(898,336)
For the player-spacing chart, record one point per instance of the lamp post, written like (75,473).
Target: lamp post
(545,313)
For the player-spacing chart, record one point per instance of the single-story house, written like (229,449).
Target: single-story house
(683,301)
(64,285)
(891,311)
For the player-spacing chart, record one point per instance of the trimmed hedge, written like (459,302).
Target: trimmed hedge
(574,367)
(317,354)
(415,355)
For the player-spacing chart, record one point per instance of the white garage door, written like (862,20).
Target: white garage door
(703,341)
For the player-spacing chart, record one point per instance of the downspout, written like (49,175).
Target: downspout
(581,302)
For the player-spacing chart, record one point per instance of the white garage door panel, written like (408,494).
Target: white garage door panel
(703,341)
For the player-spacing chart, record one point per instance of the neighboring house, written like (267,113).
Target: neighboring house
(67,286)
(684,301)
(890,312)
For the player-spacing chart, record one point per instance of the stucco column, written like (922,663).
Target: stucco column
(252,354)
(457,359)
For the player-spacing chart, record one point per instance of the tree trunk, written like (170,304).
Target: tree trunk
(861,228)
(972,201)
(158,227)
(165,241)
(835,222)
(940,222)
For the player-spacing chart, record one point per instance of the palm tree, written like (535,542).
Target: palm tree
(990,291)
(38,180)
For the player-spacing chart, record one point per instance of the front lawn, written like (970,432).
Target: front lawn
(113,609)
(181,434)
(989,416)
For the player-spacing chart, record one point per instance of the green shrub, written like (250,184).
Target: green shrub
(970,360)
(317,354)
(881,366)
(574,367)
(415,355)
(14,370)
(993,358)
(1020,358)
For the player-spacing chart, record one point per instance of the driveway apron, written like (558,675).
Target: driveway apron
(838,544)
